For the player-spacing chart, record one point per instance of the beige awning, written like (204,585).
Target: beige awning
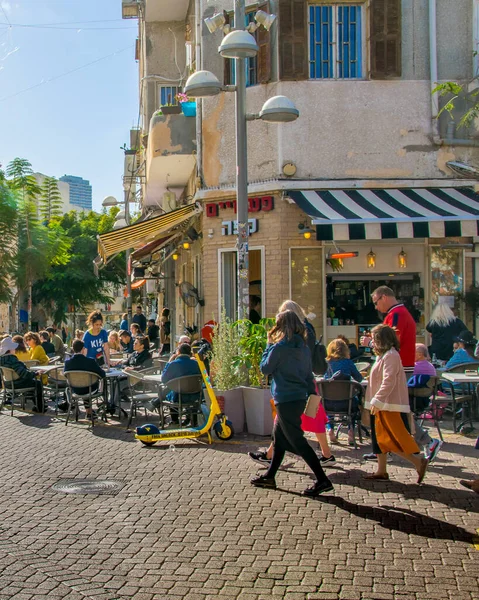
(139,234)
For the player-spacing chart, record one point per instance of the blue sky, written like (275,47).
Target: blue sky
(76,124)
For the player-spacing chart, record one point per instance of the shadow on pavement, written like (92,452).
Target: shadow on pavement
(404,520)
(461,499)
(36,420)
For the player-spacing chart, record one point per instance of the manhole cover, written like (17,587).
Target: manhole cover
(88,486)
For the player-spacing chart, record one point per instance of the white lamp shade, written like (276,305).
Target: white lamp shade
(238,44)
(119,224)
(120,215)
(215,22)
(279,109)
(110,201)
(201,84)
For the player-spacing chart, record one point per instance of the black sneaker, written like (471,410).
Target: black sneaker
(264,482)
(370,456)
(259,457)
(63,406)
(324,461)
(318,488)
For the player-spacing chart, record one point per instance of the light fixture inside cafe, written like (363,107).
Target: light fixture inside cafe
(402,258)
(186,245)
(371,259)
(174,256)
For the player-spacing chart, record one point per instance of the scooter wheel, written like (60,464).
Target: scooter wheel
(224,431)
(148,443)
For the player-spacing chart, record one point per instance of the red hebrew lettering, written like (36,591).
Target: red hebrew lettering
(254,204)
(267,203)
(211,210)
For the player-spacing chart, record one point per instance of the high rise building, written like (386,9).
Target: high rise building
(80,191)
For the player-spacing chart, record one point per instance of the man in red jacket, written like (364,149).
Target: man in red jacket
(397,316)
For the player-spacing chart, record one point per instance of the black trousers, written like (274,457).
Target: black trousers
(289,437)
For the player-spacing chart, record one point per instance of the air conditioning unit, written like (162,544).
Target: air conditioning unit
(130,9)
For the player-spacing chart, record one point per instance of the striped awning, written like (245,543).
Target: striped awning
(391,213)
(138,234)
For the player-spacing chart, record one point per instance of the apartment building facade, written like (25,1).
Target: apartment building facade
(366,171)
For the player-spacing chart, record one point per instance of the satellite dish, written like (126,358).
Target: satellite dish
(463,169)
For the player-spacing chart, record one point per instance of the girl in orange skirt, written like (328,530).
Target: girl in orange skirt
(387,399)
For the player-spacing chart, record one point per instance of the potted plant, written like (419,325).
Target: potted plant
(227,378)
(188,106)
(252,343)
(170,109)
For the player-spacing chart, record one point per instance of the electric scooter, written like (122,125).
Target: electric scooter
(150,434)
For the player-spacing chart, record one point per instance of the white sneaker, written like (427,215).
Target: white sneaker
(433,449)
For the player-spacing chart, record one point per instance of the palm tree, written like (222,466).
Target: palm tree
(51,202)
(8,240)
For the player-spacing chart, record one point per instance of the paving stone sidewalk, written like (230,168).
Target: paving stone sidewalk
(188,525)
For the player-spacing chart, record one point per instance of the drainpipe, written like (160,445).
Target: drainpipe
(199,101)
(433,71)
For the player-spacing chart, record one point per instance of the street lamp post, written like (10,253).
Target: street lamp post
(239,44)
(123,221)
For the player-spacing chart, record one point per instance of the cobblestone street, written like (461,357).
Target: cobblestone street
(187,523)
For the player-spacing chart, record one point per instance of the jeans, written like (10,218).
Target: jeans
(289,437)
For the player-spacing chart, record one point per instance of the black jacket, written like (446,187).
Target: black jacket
(12,362)
(138,360)
(78,362)
(140,320)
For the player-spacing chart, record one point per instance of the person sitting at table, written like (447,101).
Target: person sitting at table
(182,366)
(340,366)
(353,349)
(57,342)
(36,351)
(80,362)
(27,378)
(46,344)
(419,395)
(79,333)
(22,352)
(465,351)
(135,330)
(126,341)
(114,341)
(184,339)
(141,357)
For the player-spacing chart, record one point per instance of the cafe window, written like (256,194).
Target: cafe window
(228,273)
(306,282)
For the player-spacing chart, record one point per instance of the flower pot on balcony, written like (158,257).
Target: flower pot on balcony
(258,410)
(171,110)
(189,109)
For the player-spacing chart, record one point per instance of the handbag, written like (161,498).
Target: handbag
(312,405)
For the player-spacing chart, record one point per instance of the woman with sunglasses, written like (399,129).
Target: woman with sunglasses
(288,360)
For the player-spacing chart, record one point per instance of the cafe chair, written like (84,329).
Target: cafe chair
(337,397)
(186,407)
(11,393)
(140,391)
(362,366)
(160,362)
(55,388)
(461,398)
(31,363)
(83,379)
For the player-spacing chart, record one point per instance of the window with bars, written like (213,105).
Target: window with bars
(336,41)
(167,94)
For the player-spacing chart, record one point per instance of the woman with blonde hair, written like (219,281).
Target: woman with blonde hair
(299,312)
(114,341)
(444,326)
(388,400)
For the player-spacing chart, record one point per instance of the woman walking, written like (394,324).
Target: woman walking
(288,360)
(388,400)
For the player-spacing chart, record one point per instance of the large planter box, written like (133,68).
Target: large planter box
(258,410)
(232,404)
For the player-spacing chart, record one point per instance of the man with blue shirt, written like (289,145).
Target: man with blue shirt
(182,366)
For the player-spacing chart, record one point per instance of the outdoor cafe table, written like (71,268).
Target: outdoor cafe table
(45,368)
(465,378)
